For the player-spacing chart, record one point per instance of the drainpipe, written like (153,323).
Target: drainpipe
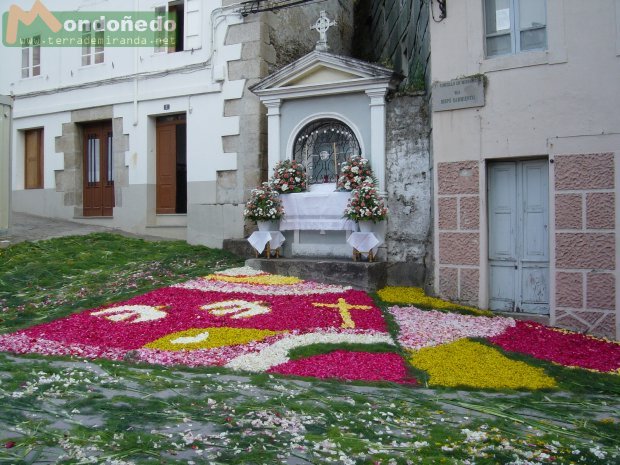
(219,14)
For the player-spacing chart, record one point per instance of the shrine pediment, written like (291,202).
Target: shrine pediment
(320,75)
(322,71)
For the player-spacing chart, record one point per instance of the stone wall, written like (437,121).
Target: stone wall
(291,37)
(585,243)
(250,145)
(458,210)
(395,33)
(408,168)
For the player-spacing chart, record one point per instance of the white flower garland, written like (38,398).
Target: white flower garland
(277,353)
(241,271)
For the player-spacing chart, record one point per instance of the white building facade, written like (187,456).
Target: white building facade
(158,140)
(525,184)
(130,137)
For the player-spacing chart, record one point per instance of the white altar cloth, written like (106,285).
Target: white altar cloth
(259,239)
(319,209)
(364,241)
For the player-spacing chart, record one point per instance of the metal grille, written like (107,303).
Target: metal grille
(322,146)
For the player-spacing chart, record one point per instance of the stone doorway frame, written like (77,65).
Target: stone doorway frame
(70,179)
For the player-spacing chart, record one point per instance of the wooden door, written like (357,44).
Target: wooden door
(171,168)
(518,236)
(98,197)
(34,159)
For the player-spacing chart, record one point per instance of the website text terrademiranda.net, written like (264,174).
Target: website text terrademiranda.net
(98,41)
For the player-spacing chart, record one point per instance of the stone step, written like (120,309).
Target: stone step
(240,247)
(367,276)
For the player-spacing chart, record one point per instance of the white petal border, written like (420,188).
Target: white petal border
(277,353)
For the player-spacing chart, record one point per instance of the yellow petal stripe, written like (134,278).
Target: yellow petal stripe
(270,279)
(416,296)
(209,338)
(472,364)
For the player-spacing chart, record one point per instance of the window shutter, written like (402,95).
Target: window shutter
(193,25)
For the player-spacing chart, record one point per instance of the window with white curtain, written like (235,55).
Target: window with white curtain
(31,57)
(514,26)
(93,50)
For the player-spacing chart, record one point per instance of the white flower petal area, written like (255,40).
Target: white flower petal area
(241,271)
(277,353)
(191,339)
(302,288)
(238,309)
(428,328)
(135,313)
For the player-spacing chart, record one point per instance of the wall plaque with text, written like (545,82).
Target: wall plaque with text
(458,93)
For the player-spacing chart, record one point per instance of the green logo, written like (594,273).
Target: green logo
(42,27)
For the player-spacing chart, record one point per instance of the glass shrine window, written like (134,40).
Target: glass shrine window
(322,146)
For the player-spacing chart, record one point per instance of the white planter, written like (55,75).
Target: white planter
(271,225)
(366,226)
(379,228)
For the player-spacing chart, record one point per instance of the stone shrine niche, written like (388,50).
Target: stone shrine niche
(322,110)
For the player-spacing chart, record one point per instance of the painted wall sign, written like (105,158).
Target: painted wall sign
(458,93)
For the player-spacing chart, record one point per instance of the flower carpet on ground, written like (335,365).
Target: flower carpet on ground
(240,318)
(75,410)
(440,344)
(253,321)
(419,328)
(345,364)
(416,296)
(563,347)
(475,365)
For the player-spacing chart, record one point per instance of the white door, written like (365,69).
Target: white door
(518,236)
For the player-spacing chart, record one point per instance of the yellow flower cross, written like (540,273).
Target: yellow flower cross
(344,308)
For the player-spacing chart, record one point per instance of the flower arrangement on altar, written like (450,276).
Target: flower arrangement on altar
(289,176)
(264,204)
(354,173)
(365,204)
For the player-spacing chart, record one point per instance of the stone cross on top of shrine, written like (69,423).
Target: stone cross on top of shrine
(322,25)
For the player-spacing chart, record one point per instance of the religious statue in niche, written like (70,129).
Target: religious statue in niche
(322,146)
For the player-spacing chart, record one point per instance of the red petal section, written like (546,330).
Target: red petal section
(342,364)
(562,347)
(183,309)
